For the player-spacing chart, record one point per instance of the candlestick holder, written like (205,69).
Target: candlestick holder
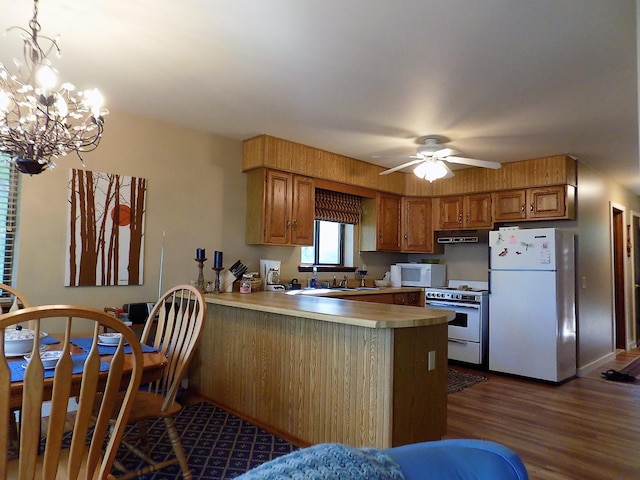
(362,274)
(200,284)
(216,288)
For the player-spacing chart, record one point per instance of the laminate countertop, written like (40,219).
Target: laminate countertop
(363,314)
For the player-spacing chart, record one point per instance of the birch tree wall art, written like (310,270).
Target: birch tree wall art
(105,239)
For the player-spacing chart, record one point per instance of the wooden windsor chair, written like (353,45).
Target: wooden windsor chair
(174,327)
(83,454)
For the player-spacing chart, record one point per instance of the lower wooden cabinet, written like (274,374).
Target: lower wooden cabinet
(414,299)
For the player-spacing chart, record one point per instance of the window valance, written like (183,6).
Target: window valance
(337,207)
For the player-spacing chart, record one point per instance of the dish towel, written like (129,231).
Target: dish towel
(18,368)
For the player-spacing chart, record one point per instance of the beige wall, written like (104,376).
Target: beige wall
(194,188)
(196,195)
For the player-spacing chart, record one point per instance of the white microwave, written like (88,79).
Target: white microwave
(422,274)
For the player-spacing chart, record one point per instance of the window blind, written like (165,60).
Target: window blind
(337,207)
(9,196)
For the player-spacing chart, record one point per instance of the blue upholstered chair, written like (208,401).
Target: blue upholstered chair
(438,460)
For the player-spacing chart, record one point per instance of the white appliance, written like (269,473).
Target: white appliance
(270,273)
(468,331)
(532,321)
(422,274)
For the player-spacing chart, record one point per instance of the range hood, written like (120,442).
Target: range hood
(462,236)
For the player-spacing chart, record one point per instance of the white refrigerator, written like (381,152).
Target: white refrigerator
(532,320)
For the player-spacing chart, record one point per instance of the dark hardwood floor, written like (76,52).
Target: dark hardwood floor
(588,428)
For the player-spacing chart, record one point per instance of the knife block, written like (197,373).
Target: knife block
(226,281)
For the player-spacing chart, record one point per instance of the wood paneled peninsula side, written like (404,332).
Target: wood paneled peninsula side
(317,369)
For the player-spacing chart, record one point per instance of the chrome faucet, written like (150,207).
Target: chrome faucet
(345,282)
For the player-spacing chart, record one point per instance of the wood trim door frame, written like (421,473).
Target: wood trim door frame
(618,284)
(634,230)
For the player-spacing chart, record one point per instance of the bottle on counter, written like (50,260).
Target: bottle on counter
(314,278)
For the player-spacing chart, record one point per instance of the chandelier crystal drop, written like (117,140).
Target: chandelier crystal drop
(39,120)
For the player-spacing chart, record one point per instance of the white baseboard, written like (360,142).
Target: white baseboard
(585,369)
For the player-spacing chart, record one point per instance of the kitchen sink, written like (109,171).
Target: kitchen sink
(316,291)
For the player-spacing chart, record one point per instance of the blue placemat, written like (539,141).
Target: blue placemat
(49,340)
(85,344)
(17,368)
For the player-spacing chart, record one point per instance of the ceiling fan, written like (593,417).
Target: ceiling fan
(431,158)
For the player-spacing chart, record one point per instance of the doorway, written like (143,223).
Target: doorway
(635,249)
(617,226)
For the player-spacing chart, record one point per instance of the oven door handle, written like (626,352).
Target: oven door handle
(451,305)
(461,342)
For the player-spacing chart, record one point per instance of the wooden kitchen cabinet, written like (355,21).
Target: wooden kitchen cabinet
(464,211)
(417,226)
(413,299)
(280,208)
(380,225)
(540,203)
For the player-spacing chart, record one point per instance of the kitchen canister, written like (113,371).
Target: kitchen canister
(245,286)
(396,276)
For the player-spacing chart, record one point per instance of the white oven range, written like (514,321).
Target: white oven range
(468,331)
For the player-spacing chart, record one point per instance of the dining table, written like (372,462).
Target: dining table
(152,367)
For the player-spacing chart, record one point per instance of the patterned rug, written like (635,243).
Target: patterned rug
(458,380)
(221,446)
(633,369)
(218,445)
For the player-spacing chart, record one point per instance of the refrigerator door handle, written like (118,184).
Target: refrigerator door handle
(460,342)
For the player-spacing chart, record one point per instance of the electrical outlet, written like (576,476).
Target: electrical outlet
(432,360)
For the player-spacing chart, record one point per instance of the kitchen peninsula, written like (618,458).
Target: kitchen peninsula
(319,369)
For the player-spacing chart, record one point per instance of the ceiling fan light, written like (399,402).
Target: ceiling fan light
(434,170)
(421,170)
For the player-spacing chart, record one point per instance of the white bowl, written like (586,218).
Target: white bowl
(49,358)
(109,338)
(19,342)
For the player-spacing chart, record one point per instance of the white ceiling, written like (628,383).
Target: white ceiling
(503,80)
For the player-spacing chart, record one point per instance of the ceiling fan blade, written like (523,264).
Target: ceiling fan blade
(449,172)
(400,167)
(445,152)
(474,162)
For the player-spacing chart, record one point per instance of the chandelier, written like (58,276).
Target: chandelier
(40,120)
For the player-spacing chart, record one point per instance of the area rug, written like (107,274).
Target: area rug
(633,369)
(457,380)
(218,445)
(222,446)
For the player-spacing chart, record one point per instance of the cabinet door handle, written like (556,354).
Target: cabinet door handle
(522,209)
(406,236)
(295,224)
(467,218)
(531,207)
(288,224)
(460,218)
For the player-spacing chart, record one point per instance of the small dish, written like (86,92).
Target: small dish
(19,342)
(110,339)
(49,358)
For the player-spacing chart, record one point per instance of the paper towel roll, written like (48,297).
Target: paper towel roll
(396,276)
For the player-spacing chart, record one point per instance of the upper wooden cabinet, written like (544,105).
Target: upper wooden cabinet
(463,211)
(380,226)
(541,203)
(417,226)
(280,208)
(395,224)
